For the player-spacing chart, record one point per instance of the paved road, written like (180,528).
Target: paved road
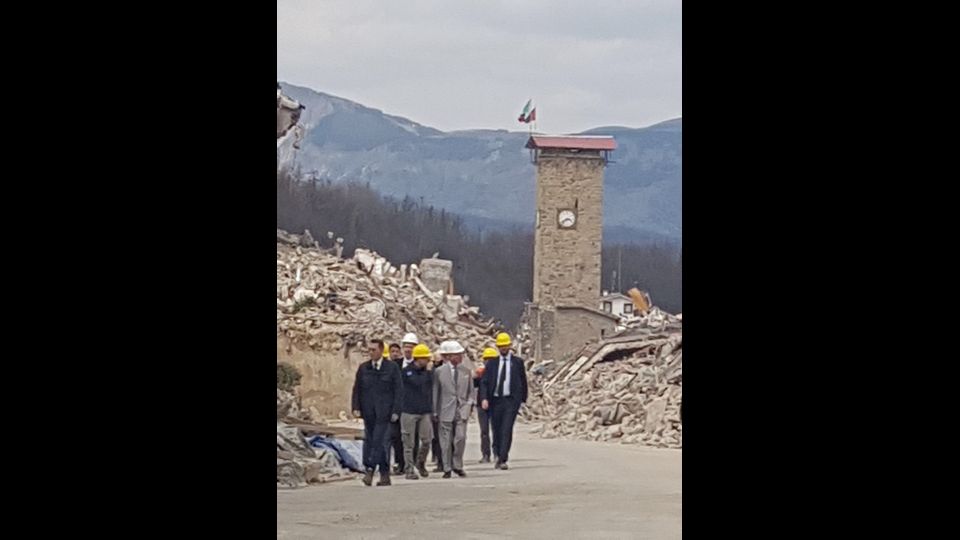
(553,489)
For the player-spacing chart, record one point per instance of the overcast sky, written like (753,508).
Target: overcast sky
(472,64)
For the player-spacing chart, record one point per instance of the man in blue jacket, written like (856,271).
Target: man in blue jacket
(377,394)
(416,418)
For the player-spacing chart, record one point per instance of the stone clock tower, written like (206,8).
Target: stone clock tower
(568,233)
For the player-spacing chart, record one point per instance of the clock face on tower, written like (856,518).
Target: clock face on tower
(566,219)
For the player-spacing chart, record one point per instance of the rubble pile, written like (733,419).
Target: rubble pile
(626,388)
(326,302)
(289,407)
(654,319)
(298,463)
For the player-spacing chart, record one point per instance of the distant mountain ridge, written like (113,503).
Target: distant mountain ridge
(486,175)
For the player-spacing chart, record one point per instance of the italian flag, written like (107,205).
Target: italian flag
(529,113)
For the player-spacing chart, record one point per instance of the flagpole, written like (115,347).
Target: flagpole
(533,125)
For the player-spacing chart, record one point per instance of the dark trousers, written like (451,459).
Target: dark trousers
(376,445)
(484,418)
(416,449)
(505,411)
(437,453)
(396,441)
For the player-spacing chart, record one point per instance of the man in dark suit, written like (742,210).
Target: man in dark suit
(377,393)
(503,388)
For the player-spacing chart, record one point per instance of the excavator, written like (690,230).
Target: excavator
(641,301)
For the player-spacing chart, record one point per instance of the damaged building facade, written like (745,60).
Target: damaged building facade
(568,239)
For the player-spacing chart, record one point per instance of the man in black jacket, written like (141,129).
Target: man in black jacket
(396,439)
(503,388)
(377,394)
(483,416)
(415,420)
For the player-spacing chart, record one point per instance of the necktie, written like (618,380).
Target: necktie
(503,377)
(455,392)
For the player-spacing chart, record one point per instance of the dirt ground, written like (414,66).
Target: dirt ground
(553,489)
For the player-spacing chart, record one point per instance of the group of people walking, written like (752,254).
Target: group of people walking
(412,402)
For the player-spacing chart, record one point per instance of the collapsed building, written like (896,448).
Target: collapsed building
(327,306)
(626,388)
(288,116)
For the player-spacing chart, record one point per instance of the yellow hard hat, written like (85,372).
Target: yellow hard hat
(503,339)
(386,352)
(421,351)
(490,352)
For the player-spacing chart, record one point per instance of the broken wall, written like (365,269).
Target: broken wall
(328,374)
(436,273)
(577,327)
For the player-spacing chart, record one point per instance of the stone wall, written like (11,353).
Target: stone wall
(576,327)
(558,333)
(328,374)
(567,261)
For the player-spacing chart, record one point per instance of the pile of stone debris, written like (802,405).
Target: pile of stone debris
(299,463)
(326,302)
(626,388)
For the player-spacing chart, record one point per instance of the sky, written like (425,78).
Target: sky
(469,64)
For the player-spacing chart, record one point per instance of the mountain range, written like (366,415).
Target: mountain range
(486,176)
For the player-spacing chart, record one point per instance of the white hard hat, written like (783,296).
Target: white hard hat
(410,338)
(451,347)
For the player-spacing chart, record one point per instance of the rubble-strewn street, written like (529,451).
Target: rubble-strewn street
(554,489)
(626,388)
(479,313)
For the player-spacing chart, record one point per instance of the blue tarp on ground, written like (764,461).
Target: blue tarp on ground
(349,452)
